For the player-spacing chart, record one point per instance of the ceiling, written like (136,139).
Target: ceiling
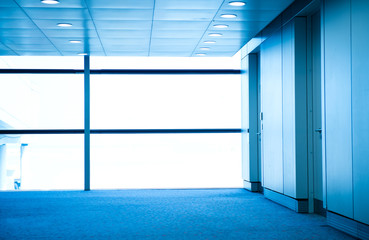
(175,28)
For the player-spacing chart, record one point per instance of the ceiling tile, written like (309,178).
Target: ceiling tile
(125,41)
(57,13)
(52,24)
(224,41)
(38,53)
(3,47)
(128,53)
(230,34)
(188,4)
(127,4)
(127,47)
(65,41)
(240,25)
(173,48)
(75,53)
(132,34)
(177,34)
(61,4)
(26,32)
(32,47)
(173,41)
(16,23)
(219,54)
(24,40)
(121,14)
(260,5)
(180,25)
(12,13)
(123,24)
(185,15)
(7,53)
(218,48)
(79,47)
(83,33)
(8,3)
(248,15)
(170,54)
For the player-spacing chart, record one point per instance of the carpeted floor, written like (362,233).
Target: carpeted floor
(154,214)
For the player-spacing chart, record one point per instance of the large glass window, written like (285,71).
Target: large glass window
(41,101)
(165,101)
(33,107)
(41,162)
(166,161)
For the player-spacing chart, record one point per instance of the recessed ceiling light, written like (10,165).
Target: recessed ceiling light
(220,26)
(50,1)
(64,24)
(204,48)
(82,54)
(210,42)
(215,35)
(237,4)
(75,41)
(228,16)
(200,54)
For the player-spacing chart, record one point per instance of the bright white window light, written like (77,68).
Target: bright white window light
(75,41)
(237,4)
(50,1)
(82,54)
(215,35)
(200,54)
(228,16)
(204,49)
(220,26)
(64,25)
(209,42)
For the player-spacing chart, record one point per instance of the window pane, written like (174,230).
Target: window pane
(41,162)
(166,62)
(41,101)
(165,101)
(41,62)
(166,161)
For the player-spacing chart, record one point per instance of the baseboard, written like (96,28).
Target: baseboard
(298,205)
(348,225)
(318,207)
(252,186)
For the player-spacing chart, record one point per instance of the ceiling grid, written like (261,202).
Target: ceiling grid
(167,28)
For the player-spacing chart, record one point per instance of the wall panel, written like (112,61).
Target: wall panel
(271,85)
(245,118)
(360,111)
(288,95)
(338,107)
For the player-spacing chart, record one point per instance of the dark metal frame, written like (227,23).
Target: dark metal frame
(87,131)
(119,131)
(124,71)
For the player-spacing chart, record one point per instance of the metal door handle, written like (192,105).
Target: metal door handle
(319,130)
(258,133)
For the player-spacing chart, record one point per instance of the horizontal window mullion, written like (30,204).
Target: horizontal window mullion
(120,131)
(124,71)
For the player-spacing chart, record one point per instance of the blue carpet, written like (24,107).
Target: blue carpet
(154,214)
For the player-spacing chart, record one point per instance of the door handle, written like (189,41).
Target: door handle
(258,133)
(319,130)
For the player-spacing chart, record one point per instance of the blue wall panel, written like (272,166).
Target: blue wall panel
(271,85)
(288,95)
(338,107)
(360,110)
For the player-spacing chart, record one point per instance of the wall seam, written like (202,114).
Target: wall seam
(352,125)
(282,67)
(325,178)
